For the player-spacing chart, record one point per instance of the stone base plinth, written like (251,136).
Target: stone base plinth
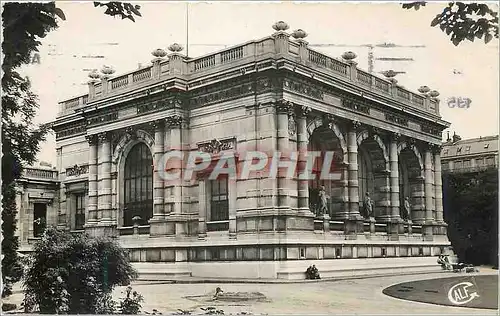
(158,227)
(290,270)
(353,227)
(102,230)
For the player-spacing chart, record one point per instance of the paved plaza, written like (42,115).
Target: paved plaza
(356,296)
(360,296)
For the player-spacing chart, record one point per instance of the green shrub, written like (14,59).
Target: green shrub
(75,273)
(131,304)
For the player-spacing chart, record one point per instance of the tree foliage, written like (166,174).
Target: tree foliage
(464,21)
(24,24)
(122,9)
(75,273)
(471,211)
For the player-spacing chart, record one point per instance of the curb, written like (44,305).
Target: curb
(276,281)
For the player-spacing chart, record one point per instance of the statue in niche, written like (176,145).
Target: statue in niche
(323,201)
(406,209)
(368,205)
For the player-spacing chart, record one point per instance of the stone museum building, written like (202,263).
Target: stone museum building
(275,95)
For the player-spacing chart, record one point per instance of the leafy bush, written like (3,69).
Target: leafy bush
(75,273)
(131,304)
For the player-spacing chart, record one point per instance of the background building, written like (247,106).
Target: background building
(469,155)
(272,94)
(470,197)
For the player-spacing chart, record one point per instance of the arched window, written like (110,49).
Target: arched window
(138,185)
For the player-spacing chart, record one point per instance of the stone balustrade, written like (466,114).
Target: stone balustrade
(244,54)
(35,173)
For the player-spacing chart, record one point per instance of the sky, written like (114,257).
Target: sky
(469,70)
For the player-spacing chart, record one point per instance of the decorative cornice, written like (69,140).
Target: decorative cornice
(302,88)
(355,105)
(430,130)
(158,105)
(71,131)
(400,120)
(112,116)
(221,94)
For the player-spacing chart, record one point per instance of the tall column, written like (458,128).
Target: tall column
(302,140)
(394,182)
(438,187)
(354,225)
(92,202)
(428,191)
(202,208)
(283,110)
(352,153)
(157,221)
(104,199)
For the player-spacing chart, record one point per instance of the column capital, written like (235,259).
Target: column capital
(429,147)
(395,137)
(91,139)
(283,106)
(355,125)
(302,111)
(373,130)
(104,137)
(327,119)
(157,124)
(176,121)
(436,149)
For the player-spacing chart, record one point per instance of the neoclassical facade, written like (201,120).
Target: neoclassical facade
(273,95)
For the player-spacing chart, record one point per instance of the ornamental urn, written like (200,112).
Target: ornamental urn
(175,48)
(299,34)
(349,55)
(280,26)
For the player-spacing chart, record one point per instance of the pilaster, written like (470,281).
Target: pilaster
(232,196)
(91,220)
(202,208)
(176,124)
